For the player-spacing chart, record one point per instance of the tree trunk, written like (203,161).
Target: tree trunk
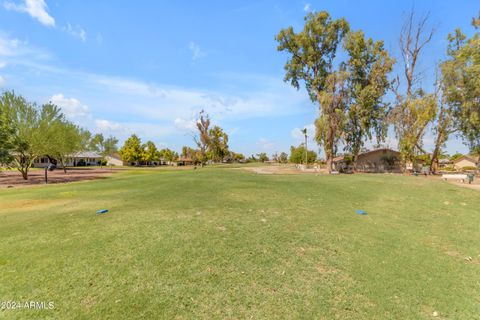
(356,152)
(24,172)
(329,156)
(329,148)
(434,159)
(356,149)
(52,160)
(354,162)
(64,166)
(329,164)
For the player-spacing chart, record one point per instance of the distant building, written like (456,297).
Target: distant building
(465,161)
(379,160)
(79,159)
(182,161)
(443,163)
(114,160)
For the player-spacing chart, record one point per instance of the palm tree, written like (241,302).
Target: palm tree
(304,131)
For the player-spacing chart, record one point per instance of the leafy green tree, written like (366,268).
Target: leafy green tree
(187,152)
(190,153)
(6,132)
(38,131)
(132,150)
(236,157)
(262,157)
(26,139)
(85,137)
(202,139)
(275,157)
(368,66)
(312,52)
(297,155)
(151,153)
(461,83)
(168,155)
(283,157)
(415,109)
(456,156)
(212,143)
(444,127)
(330,125)
(103,146)
(66,141)
(218,144)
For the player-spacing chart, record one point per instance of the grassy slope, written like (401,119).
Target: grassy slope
(216,243)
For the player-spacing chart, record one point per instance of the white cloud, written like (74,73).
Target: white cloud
(266,96)
(71,107)
(122,106)
(9,47)
(197,53)
(184,125)
(12,48)
(106,125)
(297,133)
(76,31)
(37,9)
(306,7)
(298,136)
(2,79)
(122,130)
(272,97)
(266,145)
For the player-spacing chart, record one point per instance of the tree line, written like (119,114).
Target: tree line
(350,92)
(211,145)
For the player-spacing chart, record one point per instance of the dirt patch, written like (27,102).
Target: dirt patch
(475,185)
(23,204)
(9,179)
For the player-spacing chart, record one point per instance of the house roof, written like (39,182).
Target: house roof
(115,155)
(342,157)
(185,159)
(85,154)
(468,158)
(445,161)
(380,149)
(338,159)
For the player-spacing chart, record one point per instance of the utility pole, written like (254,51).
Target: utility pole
(304,131)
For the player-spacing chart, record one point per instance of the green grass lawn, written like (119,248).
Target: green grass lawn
(219,243)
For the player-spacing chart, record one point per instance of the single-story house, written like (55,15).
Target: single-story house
(379,160)
(465,161)
(445,162)
(114,160)
(79,159)
(420,166)
(184,161)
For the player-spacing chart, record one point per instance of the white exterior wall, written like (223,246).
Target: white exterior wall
(464,163)
(111,161)
(42,162)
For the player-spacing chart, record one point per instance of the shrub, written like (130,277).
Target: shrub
(297,155)
(469,168)
(448,168)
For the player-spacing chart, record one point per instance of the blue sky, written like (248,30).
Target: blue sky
(148,67)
